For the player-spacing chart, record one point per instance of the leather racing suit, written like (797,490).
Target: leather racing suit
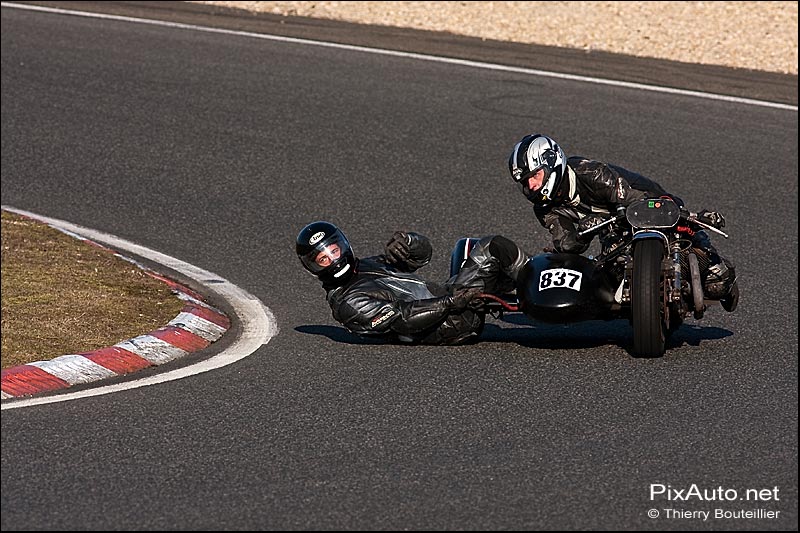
(390,301)
(594,188)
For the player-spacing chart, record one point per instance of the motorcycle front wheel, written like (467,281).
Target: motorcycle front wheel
(649,331)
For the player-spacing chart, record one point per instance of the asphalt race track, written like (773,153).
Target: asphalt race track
(217,149)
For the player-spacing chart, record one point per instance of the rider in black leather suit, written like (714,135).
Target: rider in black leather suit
(382,296)
(570,195)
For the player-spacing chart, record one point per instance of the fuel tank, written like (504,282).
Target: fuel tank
(561,288)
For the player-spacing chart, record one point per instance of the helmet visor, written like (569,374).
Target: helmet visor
(326,252)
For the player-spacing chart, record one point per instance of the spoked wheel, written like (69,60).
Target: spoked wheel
(649,329)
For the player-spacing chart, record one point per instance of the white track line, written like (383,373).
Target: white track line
(423,57)
(258,325)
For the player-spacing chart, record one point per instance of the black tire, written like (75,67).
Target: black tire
(649,335)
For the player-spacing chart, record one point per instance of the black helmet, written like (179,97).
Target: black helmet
(325,252)
(536,152)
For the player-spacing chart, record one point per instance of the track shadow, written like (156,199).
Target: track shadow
(581,335)
(590,334)
(693,335)
(337,334)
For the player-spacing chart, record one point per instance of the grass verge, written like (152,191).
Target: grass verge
(61,295)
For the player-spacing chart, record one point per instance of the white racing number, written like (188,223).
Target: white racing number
(560,278)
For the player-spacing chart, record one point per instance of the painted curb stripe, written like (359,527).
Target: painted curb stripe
(194,328)
(187,298)
(151,348)
(96,245)
(27,379)
(174,284)
(118,360)
(208,314)
(181,338)
(198,326)
(74,369)
(255,322)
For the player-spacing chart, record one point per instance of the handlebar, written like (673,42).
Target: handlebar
(693,218)
(685,213)
(601,225)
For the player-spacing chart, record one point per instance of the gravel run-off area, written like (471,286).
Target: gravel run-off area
(751,35)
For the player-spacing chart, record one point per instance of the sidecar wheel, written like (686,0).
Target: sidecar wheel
(649,335)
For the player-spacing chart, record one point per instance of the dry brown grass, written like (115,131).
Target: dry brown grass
(61,295)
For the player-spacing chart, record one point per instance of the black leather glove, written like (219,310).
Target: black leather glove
(586,224)
(397,249)
(712,218)
(462,298)
(570,244)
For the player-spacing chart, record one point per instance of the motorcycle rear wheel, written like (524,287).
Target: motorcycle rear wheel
(649,330)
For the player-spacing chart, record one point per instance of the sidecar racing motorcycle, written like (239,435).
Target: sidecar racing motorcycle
(647,271)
